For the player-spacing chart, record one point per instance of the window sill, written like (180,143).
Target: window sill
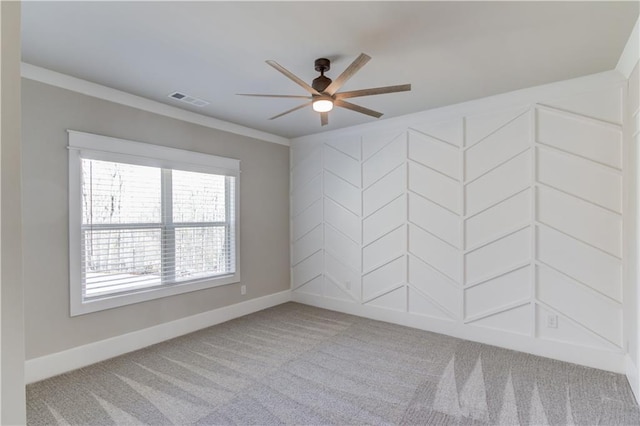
(78,307)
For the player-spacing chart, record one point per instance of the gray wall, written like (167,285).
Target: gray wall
(12,333)
(264,213)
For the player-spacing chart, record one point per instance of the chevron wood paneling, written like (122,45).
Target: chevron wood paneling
(434,219)
(383,225)
(384,220)
(631,221)
(350,145)
(434,215)
(342,219)
(435,252)
(579,216)
(384,161)
(435,154)
(383,191)
(498,147)
(604,104)
(580,219)
(509,289)
(448,131)
(342,165)
(341,247)
(579,302)
(307,270)
(585,263)
(435,186)
(510,214)
(582,178)
(478,127)
(395,300)
(389,276)
(497,227)
(307,221)
(592,139)
(342,192)
(375,141)
(341,273)
(493,221)
(568,331)
(509,320)
(498,256)
(308,168)
(306,245)
(419,304)
(442,291)
(500,183)
(306,195)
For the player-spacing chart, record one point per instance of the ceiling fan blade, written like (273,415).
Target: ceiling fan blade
(324,118)
(274,96)
(291,110)
(293,77)
(357,108)
(374,91)
(348,73)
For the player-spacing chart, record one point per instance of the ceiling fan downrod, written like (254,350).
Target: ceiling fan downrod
(321,65)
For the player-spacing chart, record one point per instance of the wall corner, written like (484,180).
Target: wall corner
(631,53)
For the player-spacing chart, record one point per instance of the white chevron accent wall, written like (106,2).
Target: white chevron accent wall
(503,226)
(631,232)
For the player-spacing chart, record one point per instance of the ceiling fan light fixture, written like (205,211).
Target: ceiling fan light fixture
(323,105)
(325,92)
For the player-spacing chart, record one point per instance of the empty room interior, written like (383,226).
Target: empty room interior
(311,213)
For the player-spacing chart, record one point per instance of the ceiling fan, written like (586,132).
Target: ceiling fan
(324,91)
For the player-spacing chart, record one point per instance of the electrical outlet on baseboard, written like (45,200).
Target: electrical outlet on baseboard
(552,321)
(243,290)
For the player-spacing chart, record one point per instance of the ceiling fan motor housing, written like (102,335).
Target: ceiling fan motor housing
(321,65)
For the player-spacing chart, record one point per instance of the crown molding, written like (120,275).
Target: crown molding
(95,90)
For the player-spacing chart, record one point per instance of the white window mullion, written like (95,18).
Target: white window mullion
(228,193)
(168,231)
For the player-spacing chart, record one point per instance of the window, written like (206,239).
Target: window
(147,221)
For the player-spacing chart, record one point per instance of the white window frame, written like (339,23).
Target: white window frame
(90,146)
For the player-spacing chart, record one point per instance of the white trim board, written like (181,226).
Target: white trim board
(81,356)
(88,88)
(632,376)
(631,53)
(604,360)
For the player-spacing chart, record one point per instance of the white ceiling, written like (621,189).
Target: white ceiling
(450,51)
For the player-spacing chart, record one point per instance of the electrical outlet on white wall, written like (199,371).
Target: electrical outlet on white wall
(243,290)
(347,284)
(552,321)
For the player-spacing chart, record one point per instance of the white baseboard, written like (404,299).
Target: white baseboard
(632,376)
(595,358)
(71,359)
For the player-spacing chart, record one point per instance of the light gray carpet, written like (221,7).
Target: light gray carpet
(295,364)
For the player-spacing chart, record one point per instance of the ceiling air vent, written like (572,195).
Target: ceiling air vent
(188,99)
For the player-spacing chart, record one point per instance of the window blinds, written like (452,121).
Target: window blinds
(144,226)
